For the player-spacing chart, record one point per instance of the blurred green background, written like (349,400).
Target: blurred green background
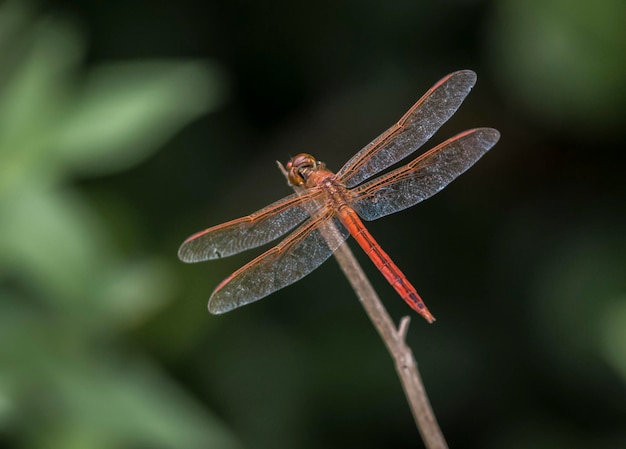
(126,126)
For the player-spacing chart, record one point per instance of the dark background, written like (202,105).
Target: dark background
(521,260)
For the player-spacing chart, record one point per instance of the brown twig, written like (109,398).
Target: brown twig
(394,340)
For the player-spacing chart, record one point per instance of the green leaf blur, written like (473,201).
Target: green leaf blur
(67,295)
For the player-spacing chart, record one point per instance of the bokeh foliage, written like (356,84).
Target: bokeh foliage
(67,291)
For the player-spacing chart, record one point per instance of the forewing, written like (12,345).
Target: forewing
(248,232)
(300,253)
(412,130)
(423,177)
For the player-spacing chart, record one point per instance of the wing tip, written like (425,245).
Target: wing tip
(491,135)
(185,255)
(466,76)
(467,73)
(217,307)
(213,310)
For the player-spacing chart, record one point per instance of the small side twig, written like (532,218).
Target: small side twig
(404,327)
(394,340)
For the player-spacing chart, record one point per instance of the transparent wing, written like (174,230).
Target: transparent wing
(248,232)
(295,257)
(423,177)
(412,131)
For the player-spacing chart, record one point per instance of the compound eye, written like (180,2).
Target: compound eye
(298,167)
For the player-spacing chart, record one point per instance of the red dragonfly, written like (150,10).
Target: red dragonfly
(325,199)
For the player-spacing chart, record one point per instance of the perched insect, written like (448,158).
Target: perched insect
(343,199)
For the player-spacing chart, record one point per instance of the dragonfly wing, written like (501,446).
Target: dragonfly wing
(412,130)
(248,232)
(295,257)
(423,177)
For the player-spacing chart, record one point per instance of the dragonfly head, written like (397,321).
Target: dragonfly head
(300,168)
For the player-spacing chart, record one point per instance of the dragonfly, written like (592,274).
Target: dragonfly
(329,207)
